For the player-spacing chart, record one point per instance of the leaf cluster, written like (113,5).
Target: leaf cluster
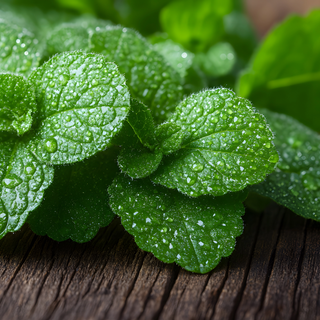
(98,121)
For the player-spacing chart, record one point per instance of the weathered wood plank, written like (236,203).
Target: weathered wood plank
(274,273)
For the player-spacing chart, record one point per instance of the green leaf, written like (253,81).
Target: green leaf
(20,51)
(219,60)
(141,122)
(138,157)
(225,146)
(73,35)
(179,58)
(82,101)
(67,37)
(195,25)
(170,137)
(17,103)
(296,182)
(23,181)
(194,233)
(149,77)
(139,162)
(76,204)
(285,72)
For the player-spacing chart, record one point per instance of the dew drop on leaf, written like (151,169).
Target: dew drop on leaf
(30,169)
(197,167)
(63,79)
(51,145)
(11,181)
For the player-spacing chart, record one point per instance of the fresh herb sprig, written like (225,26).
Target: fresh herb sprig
(106,127)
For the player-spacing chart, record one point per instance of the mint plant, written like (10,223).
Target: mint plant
(96,121)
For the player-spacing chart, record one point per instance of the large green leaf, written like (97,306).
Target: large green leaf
(225,145)
(194,233)
(76,204)
(284,75)
(20,51)
(195,24)
(296,182)
(82,102)
(23,181)
(150,78)
(17,103)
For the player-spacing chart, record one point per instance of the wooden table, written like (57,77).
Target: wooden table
(273,274)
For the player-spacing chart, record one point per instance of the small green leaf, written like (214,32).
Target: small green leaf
(23,181)
(170,137)
(179,58)
(82,101)
(150,78)
(196,25)
(139,162)
(284,74)
(296,182)
(225,146)
(141,122)
(67,37)
(17,103)
(73,35)
(194,233)
(138,157)
(76,204)
(20,51)
(219,60)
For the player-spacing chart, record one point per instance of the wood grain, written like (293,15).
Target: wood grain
(274,273)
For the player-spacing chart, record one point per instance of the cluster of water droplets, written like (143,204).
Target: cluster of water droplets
(150,78)
(226,145)
(194,233)
(23,185)
(296,182)
(83,100)
(20,51)
(17,103)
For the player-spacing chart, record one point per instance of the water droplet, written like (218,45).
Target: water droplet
(94,82)
(29,169)
(268,145)
(191,181)
(294,192)
(274,158)
(11,181)
(68,118)
(197,167)
(51,84)
(51,145)
(294,142)
(214,119)
(164,229)
(63,79)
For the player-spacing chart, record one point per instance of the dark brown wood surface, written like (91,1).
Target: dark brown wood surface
(274,273)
